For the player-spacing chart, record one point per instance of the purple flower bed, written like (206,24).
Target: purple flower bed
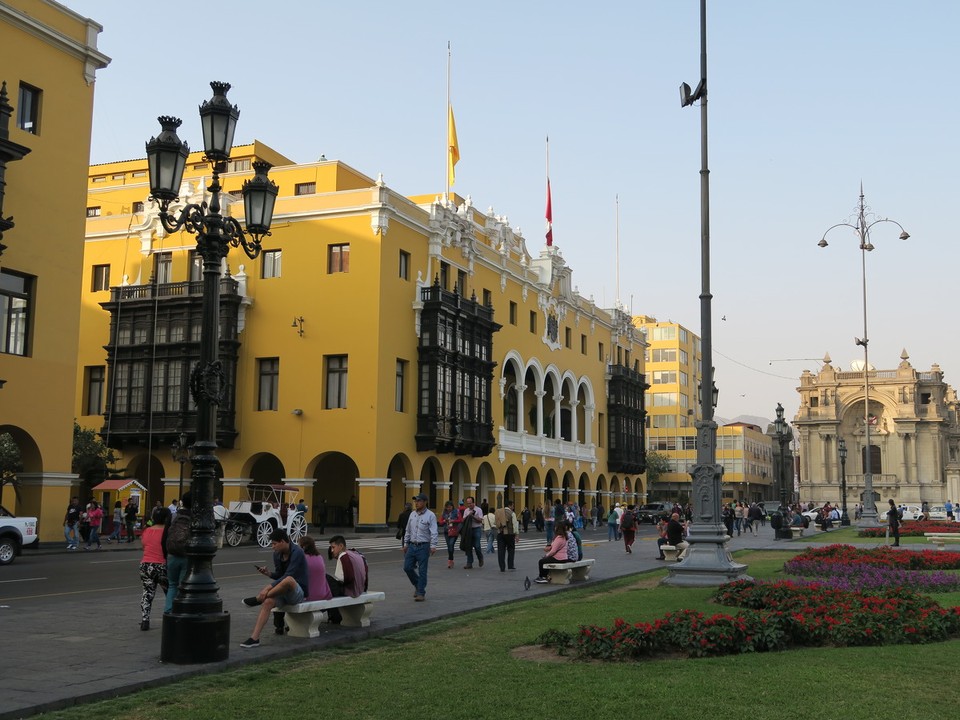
(844,576)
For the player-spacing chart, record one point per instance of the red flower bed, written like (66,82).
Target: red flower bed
(775,616)
(913,528)
(885,557)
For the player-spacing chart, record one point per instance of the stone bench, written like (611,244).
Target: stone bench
(563,573)
(796,531)
(674,553)
(939,539)
(304,618)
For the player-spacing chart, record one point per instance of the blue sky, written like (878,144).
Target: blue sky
(807,99)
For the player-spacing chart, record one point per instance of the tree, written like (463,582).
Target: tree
(10,461)
(91,458)
(657,465)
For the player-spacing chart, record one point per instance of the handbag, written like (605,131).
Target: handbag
(452,530)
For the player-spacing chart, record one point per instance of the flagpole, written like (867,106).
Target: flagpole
(618,249)
(446,139)
(549,211)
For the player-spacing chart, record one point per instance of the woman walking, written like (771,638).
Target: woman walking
(117,522)
(153,564)
(95,518)
(450,522)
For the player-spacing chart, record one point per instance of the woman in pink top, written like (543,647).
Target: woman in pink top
(316,571)
(555,552)
(95,516)
(316,580)
(153,564)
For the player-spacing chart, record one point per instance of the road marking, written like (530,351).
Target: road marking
(22,580)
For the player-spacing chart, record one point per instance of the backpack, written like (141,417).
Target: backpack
(627,521)
(178,534)
(366,568)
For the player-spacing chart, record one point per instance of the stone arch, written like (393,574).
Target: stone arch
(264,469)
(569,487)
(532,480)
(533,385)
(553,489)
(586,495)
(399,469)
(147,469)
(430,474)
(485,480)
(30,456)
(511,379)
(462,478)
(336,485)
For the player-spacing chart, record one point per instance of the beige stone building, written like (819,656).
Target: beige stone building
(914,434)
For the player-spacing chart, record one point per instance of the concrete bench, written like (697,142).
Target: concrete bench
(304,618)
(563,573)
(939,539)
(674,553)
(796,531)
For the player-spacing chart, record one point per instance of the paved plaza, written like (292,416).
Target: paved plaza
(90,644)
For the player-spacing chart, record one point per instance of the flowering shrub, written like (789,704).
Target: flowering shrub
(913,528)
(775,616)
(844,567)
(831,557)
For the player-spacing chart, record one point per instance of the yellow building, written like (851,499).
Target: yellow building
(379,346)
(673,372)
(48,62)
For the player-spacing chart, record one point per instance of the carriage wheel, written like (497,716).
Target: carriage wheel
(298,528)
(263,533)
(234,533)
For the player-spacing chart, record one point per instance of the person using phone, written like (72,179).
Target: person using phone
(290,585)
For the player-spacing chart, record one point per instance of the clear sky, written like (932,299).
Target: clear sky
(807,100)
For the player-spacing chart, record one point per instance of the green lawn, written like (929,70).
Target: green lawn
(465,668)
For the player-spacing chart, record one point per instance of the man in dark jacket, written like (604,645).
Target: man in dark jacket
(290,584)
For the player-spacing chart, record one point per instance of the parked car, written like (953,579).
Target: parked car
(654,512)
(15,534)
(910,512)
(938,512)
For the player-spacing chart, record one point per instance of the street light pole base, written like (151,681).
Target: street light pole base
(191,638)
(706,565)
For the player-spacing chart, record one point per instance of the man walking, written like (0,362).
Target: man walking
(71,523)
(472,530)
(420,542)
(130,519)
(506,536)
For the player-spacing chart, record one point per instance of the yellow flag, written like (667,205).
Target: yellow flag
(453,149)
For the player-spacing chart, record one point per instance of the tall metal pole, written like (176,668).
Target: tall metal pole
(707,561)
(868,517)
(842,450)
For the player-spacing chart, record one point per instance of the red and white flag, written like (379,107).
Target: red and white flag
(549,216)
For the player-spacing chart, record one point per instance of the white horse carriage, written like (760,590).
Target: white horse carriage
(266,508)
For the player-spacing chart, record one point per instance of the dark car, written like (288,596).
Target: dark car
(654,512)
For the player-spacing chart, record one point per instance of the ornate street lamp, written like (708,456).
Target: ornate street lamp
(198,630)
(707,561)
(861,227)
(842,452)
(780,429)
(180,452)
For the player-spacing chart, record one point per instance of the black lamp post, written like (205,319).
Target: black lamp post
(861,226)
(780,430)
(707,561)
(198,629)
(180,453)
(842,452)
